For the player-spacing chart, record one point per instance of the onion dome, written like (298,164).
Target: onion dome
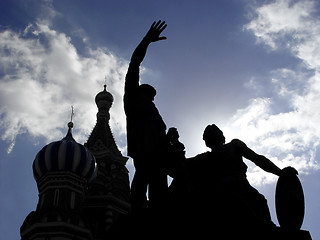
(103,96)
(65,155)
(104,102)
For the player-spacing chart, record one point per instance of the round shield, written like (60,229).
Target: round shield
(289,200)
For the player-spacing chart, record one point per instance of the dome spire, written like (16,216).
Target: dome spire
(70,126)
(72,113)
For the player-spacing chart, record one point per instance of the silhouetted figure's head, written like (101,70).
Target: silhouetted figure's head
(213,136)
(148,91)
(173,134)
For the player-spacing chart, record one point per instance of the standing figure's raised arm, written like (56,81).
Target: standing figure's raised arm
(153,35)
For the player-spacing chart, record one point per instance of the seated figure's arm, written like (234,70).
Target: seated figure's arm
(260,160)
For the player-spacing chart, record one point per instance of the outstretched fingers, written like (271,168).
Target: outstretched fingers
(159,26)
(162,27)
(153,24)
(155,30)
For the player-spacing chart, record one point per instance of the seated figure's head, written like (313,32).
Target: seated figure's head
(148,91)
(213,136)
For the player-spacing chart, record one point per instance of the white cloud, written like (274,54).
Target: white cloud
(284,126)
(42,75)
(282,18)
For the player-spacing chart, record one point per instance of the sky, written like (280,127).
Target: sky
(251,67)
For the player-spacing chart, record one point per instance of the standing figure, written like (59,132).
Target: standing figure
(146,130)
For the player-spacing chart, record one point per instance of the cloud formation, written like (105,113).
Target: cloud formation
(42,75)
(284,127)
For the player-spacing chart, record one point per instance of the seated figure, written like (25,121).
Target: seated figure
(221,185)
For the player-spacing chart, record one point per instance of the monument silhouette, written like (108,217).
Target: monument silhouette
(146,130)
(85,194)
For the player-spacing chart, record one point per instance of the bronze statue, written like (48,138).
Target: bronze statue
(221,174)
(209,192)
(146,130)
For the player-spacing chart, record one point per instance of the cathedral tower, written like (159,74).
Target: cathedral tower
(108,197)
(83,190)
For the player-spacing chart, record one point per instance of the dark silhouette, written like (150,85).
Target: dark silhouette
(146,136)
(173,138)
(175,153)
(177,169)
(224,171)
(289,196)
(84,190)
(231,170)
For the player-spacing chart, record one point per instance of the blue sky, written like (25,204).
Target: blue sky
(251,67)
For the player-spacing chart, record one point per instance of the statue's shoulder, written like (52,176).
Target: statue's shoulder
(199,158)
(237,141)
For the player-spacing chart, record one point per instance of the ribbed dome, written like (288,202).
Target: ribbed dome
(65,155)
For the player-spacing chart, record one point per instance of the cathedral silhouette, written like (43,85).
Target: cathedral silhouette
(83,189)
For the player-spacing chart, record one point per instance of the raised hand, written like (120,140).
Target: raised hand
(153,35)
